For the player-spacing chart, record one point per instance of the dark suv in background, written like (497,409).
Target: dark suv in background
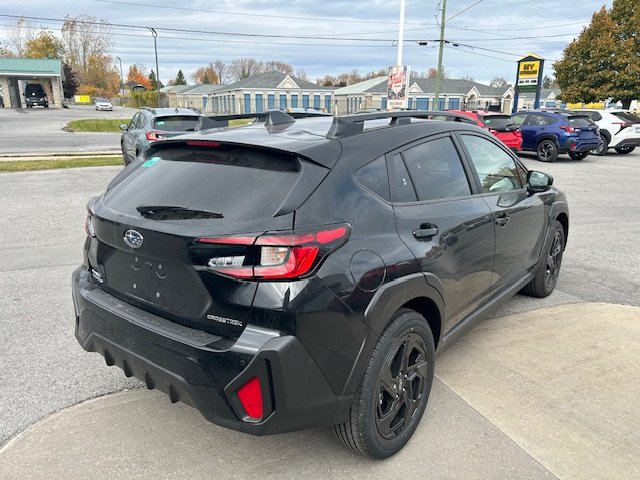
(34,96)
(550,133)
(152,124)
(291,274)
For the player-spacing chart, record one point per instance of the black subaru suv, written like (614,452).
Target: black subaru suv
(291,274)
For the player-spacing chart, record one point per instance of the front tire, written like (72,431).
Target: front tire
(625,150)
(548,268)
(578,155)
(547,151)
(394,392)
(602,147)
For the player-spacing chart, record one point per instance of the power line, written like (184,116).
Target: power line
(481,54)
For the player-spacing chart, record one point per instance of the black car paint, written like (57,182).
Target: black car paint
(310,339)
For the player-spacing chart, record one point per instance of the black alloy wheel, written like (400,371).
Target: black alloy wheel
(554,259)
(400,386)
(625,150)
(394,391)
(578,155)
(547,151)
(548,268)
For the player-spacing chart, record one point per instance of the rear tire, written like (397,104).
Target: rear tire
(578,155)
(394,392)
(547,151)
(624,150)
(548,268)
(603,147)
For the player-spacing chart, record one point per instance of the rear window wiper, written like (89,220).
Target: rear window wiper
(168,212)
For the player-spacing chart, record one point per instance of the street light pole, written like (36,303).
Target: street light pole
(440,49)
(155,48)
(401,33)
(121,80)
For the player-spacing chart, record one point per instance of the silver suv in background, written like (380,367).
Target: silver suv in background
(152,124)
(619,129)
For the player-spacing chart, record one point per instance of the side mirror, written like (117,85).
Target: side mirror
(124,127)
(538,182)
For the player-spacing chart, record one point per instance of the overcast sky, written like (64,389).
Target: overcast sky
(491,35)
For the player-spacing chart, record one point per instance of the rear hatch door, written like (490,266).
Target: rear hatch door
(150,223)
(586,128)
(505,128)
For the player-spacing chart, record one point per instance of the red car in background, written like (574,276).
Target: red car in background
(498,124)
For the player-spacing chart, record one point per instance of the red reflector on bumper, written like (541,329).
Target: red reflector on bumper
(250,395)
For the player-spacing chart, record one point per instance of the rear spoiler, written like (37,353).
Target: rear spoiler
(269,118)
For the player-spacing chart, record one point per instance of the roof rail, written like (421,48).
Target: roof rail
(349,125)
(269,118)
(152,110)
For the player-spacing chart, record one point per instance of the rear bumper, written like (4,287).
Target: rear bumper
(577,145)
(627,142)
(205,370)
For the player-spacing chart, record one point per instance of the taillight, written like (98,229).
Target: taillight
(570,129)
(250,396)
(152,136)
(88,224)
(623,125)
(277,255)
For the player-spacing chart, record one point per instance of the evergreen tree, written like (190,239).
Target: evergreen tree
(180,80)
(70,83)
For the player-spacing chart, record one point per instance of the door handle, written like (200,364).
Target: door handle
(502,221)
(429,232)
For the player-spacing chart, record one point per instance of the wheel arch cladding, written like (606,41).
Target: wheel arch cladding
(564,221)
(430,311)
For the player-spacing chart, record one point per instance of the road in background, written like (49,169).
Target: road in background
(39,130)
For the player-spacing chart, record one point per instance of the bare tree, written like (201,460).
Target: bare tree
(468,77)
(244,67)
(86,38)
(206,74)
(221,70)
(302,75)
(499,82)
(19,35)
(278,66)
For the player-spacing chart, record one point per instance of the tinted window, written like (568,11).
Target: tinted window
(401,187)
(436,170)
(495,167)
(540,120)
(134,121)
(497,122)
(518,119)
(241,184)
(373,176)
(176,123)
(579,121)
(627,117)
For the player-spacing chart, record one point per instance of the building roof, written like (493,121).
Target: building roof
(427,85)
(273,80)
(201,89)
(31,66)
(544,93)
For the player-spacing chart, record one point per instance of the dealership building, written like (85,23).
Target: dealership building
(16,73)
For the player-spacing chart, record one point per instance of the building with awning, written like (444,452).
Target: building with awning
(16,73)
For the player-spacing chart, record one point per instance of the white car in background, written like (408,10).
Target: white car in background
(619,129)
(104,104)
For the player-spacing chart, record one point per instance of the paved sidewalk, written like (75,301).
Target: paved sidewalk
(551,393)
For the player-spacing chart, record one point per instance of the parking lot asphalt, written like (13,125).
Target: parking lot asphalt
(39,130)
(471,425)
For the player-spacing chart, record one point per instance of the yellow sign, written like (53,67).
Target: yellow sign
(82,99)
(574,106)
(529,69)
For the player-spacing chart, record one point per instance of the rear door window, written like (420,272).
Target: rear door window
(239,183)
(185,123)
(436,170)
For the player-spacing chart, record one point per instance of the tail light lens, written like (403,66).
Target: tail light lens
(154,135)
(88,224)
(570,129)
(277,255)
(250,396)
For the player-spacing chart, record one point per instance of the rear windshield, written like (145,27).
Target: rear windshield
(239,183)
(33,90)
(627,117)
(498,122)
(579,121)
(176,123)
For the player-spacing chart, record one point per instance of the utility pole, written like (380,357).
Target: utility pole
(121,80)
(401,33)
(155,48)
(436,97)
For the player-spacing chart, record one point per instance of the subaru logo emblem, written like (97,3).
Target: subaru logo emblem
(133,239)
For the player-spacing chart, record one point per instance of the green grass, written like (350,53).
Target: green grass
(101,125)
(29,165)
